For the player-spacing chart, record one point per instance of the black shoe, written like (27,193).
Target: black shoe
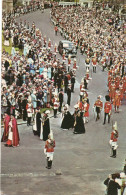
(103,123)
(10,146)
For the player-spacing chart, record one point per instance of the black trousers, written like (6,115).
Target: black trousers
(55,113)
(29,121)
(72,87)
(68,100)
(98,112)
(94,69)
(113,152)
(60,106)
(66,86)
(105,114)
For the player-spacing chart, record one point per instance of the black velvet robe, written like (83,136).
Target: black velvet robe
(46,129)
(67,121)
(79,127)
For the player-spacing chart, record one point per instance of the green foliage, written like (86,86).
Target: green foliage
(6,48)
(44,109)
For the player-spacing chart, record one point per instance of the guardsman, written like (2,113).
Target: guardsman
(117,100)
(87,63)
(49,150)
(55,106)
(94,63)
(49,44)
(117,81)
(82,92)
(69,62)
(103,61)
(86,111)
(107,109)
(121,89)
(74,64)
(63,56)
(55,48)
(98,105)
(113,140)
(56,30)
(112,89)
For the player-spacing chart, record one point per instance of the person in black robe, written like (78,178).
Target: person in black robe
(60,99)
(85,83)
(67,121)
(24,103)
(37,122)
(65,83)
(46,125)
(69,94)
(79,127)
(72,83)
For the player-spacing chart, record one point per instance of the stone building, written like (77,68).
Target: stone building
(7,5)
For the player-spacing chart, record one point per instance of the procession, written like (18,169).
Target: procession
(53,98)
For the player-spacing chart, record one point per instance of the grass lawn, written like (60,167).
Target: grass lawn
(8,48)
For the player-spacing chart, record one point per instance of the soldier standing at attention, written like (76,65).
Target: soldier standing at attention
(107,109)
(49,150)
(98,105)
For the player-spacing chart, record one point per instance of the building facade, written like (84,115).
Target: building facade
(7,5)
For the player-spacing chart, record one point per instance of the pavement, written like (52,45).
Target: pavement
(81,162)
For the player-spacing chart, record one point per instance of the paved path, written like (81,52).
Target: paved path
(83,160)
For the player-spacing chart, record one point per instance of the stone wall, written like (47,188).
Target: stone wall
(7,5)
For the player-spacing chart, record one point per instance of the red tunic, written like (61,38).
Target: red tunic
(112,91)
(75,65)
(117,99)
(107,107)
(113,138)
(86,110)
(98,103)
(49,147)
